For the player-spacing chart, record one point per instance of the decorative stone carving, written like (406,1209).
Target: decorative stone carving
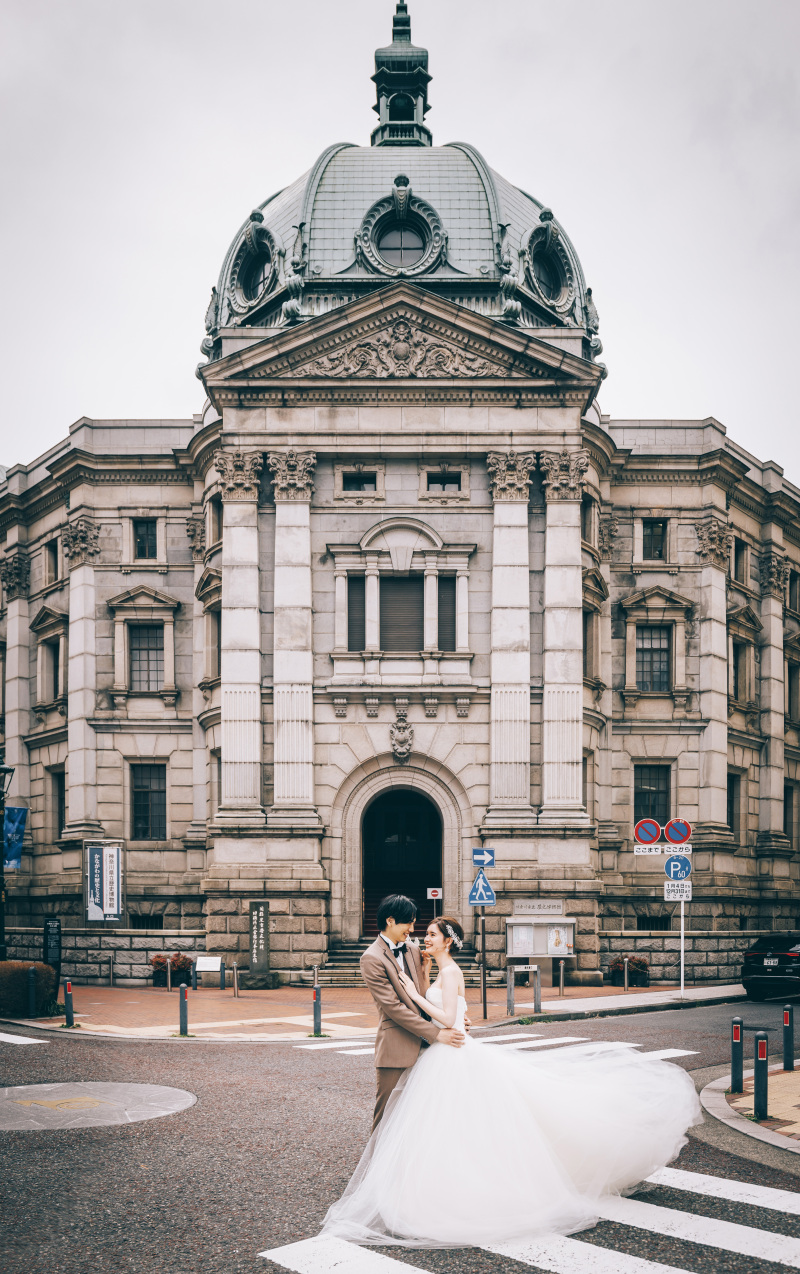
(510,307)
(609,529)
(401,204)
(371,704)
(239,473)
(257,245)
(774,571)
(340,706)
(592,317)
(431,706)
(79,541)
(546,242)
(401,352)
(293,473)
(563,473)
(196,531)
(714,541)
(462,707)
(401,734)
(294,280)
(510,474)
(15,574)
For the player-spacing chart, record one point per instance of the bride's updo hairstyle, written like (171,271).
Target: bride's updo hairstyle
(450,928)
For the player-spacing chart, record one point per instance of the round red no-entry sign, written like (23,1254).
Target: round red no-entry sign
(647,831)
(678,831)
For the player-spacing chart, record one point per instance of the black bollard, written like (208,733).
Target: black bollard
(760,1079)
(317,1002)
(788,1037)
(737,1055)
(222,975)
(68,1002)
(31,992)
(184,1003)
(194,975)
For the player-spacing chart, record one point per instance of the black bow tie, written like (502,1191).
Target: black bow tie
(400,948)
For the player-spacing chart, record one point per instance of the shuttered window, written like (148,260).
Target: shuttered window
(402,610)
(447,612)
(356,626)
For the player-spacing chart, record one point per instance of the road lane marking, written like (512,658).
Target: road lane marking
(321,1256)
(723,1188)
(331,1044)
(506,1039)
(557,1039)
(357,1052)
(661,1054)
(726,1235)
(20,1039)
(570,1256)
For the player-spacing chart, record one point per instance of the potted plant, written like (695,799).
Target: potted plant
(638,971)
(159,967)
(181,969)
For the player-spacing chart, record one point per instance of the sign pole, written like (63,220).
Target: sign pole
(483,960)
(682,935)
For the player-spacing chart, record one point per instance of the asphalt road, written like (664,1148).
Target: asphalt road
(273,1138)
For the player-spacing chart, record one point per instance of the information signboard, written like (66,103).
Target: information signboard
(678,891)
(103,880)
(259,936)
(51,944)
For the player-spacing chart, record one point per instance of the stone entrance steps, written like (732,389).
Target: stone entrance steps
(341,968)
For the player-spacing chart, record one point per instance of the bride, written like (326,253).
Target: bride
(530,1142)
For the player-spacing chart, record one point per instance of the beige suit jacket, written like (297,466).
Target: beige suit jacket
(402,1026)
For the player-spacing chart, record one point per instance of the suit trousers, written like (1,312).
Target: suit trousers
(387,1079)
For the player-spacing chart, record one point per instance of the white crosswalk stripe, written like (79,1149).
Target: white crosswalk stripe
(560,1255)
(340,1044)
(20,1039)
(531,1040)
(664,1054)
(558,1039)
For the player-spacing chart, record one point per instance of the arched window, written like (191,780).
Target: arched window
(401,108)
(258,275)
(401,245)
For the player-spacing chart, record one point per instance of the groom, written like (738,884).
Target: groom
(403,1028)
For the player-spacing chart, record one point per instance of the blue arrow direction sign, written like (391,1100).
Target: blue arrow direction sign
(483,857)
(481,894)
(678,867)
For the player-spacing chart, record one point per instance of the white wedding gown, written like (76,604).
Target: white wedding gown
(483,1144)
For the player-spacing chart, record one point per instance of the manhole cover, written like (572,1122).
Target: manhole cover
(87,1105)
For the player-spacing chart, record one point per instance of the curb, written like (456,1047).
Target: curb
(621,1010)
(85,1034)
(713,1100)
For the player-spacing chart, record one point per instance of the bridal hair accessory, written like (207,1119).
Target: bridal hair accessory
(454,936)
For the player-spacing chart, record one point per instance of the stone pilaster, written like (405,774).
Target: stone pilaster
(509,785)
(241,807)
(293,671)
(713,547)
(562,697)
(80,545)
(194,837)
(15,574)
(771,839)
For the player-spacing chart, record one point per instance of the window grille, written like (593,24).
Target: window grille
(653,658)
(147,657)
(402,612)
(145,543)
(356,614)
(447,612)
(651,785)
(654,539)
(149,803)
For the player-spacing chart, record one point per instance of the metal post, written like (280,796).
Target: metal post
(31,992)
(70,1016)
(483,961)
(317,1002)
(184,1008)
(537,990)
(111,968)
(561,979)
(235,981)
(625,967)
(222,975)
(761,1073)
(683,962)
(737,1055)
(788,1037)
(194,975)
(169,974)
(509,990)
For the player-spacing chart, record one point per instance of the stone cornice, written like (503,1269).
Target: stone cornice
(76,466)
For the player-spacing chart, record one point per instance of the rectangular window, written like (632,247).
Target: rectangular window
(587,519)
(656,924)
(739,679)
(734,803)
(51,562)
(401,612)
(146,922)
(149,802)
(52,687)
(789,811)
(214,520)
(356,614)
(588,644)
(58,790)
(216,637)
(447,612)
(147,657)
(651,793)
(739,561)
(145,543)
(794,590)
(793,691)
(654,539)
(653,658)
(359,482)
(444,483)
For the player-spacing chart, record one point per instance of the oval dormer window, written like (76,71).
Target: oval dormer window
(548,275)
(258,275)
(401,246)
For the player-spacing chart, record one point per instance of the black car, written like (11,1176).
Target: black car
(772,967)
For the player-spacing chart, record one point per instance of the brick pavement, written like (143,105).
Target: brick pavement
(783,1103)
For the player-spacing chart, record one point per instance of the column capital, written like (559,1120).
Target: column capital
(293,474)
(563,473)
(196,532)
(15,575)
(239,473)
(80,541)
(714,539)
(510,474)
(774,571)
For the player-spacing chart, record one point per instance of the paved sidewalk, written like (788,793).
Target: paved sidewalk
(783,1103)
(347,1012)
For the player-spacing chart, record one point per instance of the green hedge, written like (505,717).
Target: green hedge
(14,987)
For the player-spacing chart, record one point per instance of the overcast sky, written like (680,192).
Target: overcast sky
(139,134)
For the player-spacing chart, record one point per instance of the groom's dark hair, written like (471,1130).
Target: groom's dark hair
(400,909)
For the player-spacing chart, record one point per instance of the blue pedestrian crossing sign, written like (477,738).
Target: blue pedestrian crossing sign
(678,867)
(483,857)
(481,894)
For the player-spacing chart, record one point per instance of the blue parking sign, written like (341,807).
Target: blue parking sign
(678,867)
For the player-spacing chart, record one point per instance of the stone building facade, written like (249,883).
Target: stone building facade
(400,591)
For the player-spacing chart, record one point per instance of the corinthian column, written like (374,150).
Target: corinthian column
(15,576)
(713,547)
(241,641)
(510,782)
(771,838)
(80,545)
(562,699)
(293,674)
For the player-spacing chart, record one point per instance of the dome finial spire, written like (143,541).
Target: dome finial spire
(402,79)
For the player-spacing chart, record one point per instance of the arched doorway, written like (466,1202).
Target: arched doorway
(402,853)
